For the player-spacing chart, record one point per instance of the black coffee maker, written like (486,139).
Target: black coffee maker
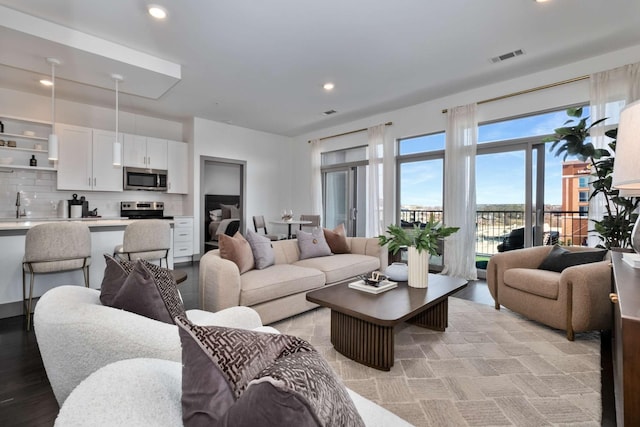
(78,208)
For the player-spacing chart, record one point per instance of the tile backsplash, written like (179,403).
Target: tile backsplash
(40,199)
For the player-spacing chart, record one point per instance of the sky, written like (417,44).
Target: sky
(499,176)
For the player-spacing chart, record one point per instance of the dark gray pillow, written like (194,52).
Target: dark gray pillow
(115,274)
(150,291)
(263,255)
(560,258)
(312,244)
(255,378)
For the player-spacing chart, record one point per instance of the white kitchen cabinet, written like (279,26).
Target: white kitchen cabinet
(177,167)
(144,152)
(182,237)
(106,176)
(85,160)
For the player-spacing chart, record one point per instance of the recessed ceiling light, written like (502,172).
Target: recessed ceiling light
(541,1)
(156,11)
(328,86)
(46,82)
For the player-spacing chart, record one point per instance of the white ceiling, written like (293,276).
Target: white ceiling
(261,64)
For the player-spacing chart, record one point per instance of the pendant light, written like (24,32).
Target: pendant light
(117,146)
(53,138)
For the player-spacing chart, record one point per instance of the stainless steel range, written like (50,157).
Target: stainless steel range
(143,210)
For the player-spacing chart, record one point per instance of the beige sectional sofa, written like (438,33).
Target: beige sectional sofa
(279,291)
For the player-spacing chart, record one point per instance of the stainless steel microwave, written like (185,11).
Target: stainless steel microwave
(145,179)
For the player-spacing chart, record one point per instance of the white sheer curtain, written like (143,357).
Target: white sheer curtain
(316,178)
(610,91)
(460,191)
(375,201)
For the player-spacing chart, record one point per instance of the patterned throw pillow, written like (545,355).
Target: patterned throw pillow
(337,240)
(263,255)
(312,244)
(236,249)
(235,377)
(151,291)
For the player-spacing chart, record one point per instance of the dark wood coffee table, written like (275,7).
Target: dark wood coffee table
(362,323)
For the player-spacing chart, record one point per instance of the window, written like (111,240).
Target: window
(420,168)
(583,196)
(421,144)
(583,182)
(583,210)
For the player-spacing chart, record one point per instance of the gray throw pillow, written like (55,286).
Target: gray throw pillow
(255,378)
(150,291)
(115,274)
(230,211)
(312,244)
(263,255)
(560,258)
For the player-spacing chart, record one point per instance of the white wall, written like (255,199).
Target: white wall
(222,178)
(268,160)
(428,118)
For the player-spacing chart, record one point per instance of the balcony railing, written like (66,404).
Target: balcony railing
(563,227)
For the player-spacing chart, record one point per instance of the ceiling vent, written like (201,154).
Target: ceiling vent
(506,56)
(329,112)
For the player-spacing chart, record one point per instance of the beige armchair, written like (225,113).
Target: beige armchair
(575,300)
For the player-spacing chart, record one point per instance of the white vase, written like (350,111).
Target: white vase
(397,272)
(418,263)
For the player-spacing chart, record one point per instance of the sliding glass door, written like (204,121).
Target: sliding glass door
(344,198)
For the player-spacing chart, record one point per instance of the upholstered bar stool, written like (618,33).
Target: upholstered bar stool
(148,239)
(51,248)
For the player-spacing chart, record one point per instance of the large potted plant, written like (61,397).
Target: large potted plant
(572,139)
(421,242)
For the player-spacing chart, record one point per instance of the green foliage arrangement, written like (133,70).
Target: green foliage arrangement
(423,238)
(616,225)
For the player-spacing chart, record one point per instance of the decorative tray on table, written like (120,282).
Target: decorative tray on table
(374,284)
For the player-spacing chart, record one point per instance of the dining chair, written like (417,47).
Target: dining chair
(259,223)
(54,247)
(148,239)
(315,221)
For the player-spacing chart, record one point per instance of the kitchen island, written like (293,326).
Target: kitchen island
(106,234)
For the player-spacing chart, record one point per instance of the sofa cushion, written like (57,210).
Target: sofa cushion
(263,255)
(277,281)
(312,244)
(150,291)
(337,240)
(560,258)
(234,377)
(537,282)
(236,249)
(341,267)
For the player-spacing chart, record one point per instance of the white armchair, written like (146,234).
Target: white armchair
(77,335)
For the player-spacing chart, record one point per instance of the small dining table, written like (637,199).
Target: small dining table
(290,222)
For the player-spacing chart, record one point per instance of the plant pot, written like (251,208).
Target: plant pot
(418,263)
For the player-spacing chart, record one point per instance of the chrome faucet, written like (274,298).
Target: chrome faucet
(18,214)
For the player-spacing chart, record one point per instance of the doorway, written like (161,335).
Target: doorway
(224,179)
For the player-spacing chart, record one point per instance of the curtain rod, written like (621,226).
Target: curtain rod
(347,133)
(522,92)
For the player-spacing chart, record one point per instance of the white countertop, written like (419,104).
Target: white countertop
(27,223)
